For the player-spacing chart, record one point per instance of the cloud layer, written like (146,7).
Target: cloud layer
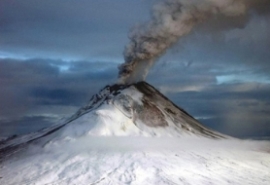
(47,84)
(55,54)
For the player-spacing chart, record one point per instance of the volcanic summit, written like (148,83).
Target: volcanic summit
(138,109)
(121,110)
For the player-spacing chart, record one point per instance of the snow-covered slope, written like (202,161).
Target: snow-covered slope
(140,161)
(137,109)
(102,143)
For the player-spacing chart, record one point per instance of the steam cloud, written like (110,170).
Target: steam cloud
(172,19)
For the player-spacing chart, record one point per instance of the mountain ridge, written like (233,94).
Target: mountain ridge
(153,102)
(141,104)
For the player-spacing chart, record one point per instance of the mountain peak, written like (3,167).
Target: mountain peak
(141,107)
(137,109)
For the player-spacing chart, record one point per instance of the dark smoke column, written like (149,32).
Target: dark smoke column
(171,19)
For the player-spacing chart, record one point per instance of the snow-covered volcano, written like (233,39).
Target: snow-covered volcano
(137,109)
(122,110)
(88,149)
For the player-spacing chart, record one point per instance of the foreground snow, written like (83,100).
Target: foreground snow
(140,160)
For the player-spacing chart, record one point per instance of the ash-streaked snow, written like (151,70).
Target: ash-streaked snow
(132,135)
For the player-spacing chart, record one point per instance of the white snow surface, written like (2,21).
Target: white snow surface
(140,160)
(110,120)
(104,146)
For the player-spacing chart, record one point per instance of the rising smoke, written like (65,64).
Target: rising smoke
(172,19)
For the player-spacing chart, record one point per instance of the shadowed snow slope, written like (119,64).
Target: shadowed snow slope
(185,152)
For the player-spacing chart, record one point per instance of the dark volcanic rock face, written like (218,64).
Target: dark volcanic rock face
(151,115)
(158,110)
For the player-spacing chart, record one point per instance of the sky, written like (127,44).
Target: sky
(55,54)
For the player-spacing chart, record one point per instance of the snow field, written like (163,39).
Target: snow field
(138,160)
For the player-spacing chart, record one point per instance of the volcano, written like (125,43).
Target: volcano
(132,134)
(138,109)
(122,110)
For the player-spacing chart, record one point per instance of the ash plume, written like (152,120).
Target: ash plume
(171,20)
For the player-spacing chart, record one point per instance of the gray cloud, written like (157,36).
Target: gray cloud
(239,110)
(74,29)
(24,125)
(28,84)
